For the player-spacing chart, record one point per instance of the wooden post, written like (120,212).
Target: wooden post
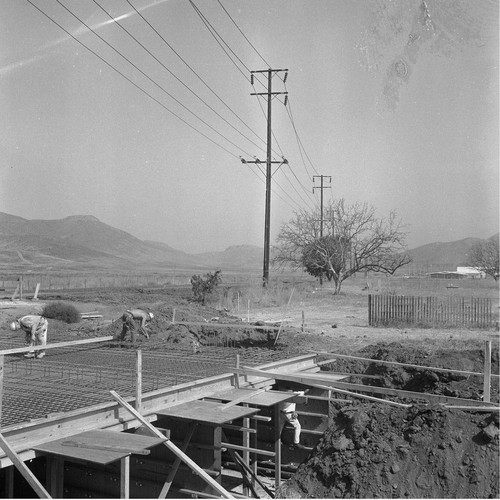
(55,475)
(138,380)
(37,289)
(487,371)
(173,316)
(20,288)
(1,385)
(23,469)
(246,454)
(236,375)
(125,477)
(9,482)
(248,311)
(173,448)
(302,322)
(277,446)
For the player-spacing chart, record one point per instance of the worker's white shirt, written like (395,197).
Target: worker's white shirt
(32,323)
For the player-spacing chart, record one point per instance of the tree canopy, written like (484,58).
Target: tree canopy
(484,256)
(353,239)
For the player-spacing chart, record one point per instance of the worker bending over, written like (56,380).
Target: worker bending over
(129,319)
(35,327)
(289,415)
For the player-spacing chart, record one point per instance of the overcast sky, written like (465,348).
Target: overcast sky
(396,100)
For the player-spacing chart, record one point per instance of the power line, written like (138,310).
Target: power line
(243,34)
(193,71)
(212,30)
(174,75)
(149,78)
(130,80)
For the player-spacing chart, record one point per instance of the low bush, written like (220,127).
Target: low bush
(203,287)
(62,312)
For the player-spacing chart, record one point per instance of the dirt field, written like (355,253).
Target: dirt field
(370,449)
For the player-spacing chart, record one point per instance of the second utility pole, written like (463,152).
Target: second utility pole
(269,162)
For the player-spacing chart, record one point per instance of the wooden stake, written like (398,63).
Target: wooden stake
(173,448)
(1,386)
(487,371)
(236,375)
(138,380)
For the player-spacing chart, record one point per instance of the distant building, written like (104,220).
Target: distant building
(448,275)
(471,272)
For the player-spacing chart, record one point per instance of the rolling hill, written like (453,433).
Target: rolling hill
(83,242)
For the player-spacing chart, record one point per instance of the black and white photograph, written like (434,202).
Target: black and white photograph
(249,249)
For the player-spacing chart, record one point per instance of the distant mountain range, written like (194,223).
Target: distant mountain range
(83,242)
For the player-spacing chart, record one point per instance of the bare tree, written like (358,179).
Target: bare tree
(354,240)
(484,257)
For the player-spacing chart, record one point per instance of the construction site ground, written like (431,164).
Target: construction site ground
(369,450)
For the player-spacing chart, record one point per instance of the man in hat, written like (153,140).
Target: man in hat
(35,328)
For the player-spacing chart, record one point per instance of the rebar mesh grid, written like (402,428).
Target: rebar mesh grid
(74,378)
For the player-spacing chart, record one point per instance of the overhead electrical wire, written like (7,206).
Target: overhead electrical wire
(243,34)
(260,104)
(149,78)
(174,75)
(217,36)
(131,81)
(192,70)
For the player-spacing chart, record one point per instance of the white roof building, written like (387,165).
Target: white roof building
(471,272)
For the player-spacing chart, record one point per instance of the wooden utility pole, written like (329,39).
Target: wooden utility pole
(321,187)
(267,225)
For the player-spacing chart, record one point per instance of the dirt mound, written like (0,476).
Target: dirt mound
(375,451)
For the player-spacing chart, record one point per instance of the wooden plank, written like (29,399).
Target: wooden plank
(18,350)
(208,412)
(23,469)
(102,447)
(266,399)
(473,408)
(171,446)
(362,396)
(257,451)
(99,446)
(245,397)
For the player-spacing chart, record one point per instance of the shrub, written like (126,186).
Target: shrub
(202,287)
(63,312)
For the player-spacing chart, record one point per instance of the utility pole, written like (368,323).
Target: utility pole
(321,187)
(267,225)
